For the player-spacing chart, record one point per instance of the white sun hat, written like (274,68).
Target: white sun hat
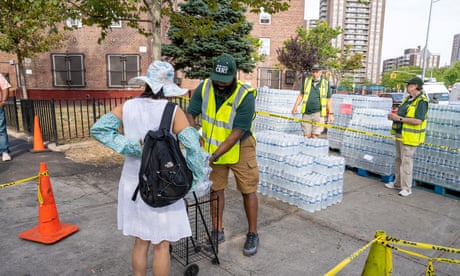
(160,74)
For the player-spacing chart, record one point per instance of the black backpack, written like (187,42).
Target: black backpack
(164,177)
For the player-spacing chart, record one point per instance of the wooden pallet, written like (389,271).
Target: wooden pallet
(438,189)
(366,173)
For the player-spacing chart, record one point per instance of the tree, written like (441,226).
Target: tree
(310,46)
(103,13)
(395,80)
(193,51)
(297,56)
(344,62)
(451,75)
(30,27)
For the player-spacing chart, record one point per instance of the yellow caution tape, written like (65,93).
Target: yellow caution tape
(18,181)
(389,242)
(39,194)
(348,260)
(422,245)
(268,114)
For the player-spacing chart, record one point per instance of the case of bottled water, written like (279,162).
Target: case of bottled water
(294,169)
(437,161)
(279,102)
(363,132)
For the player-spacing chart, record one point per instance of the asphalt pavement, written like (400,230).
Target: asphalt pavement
(292,241)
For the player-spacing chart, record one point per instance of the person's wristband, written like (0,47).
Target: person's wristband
(214,157)
(331,113)
(401,118)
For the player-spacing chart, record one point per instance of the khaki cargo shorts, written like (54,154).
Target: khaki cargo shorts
(246,171)
(308,128)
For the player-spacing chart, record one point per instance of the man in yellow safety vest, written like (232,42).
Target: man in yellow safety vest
(315,96)
(227,108)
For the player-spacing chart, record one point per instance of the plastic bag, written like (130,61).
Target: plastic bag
(203,187)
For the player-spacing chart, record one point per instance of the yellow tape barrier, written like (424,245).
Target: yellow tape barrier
(390,242)
(348,260)
(267,114)
(39,195)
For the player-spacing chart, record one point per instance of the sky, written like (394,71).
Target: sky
(406,25)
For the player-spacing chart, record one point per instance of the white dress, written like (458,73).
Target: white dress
(135,218)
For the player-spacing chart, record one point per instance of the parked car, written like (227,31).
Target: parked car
(436,92)
(454,97)
(396,97)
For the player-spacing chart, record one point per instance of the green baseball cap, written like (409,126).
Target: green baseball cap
(224,68)
(415,80)
(316,67)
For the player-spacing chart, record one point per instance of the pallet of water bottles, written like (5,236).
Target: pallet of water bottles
(438,189)
(367,173)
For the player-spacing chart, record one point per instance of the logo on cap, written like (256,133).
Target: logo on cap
(221,69)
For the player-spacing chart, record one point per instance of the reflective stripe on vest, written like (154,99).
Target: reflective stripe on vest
(413,135)
(217,124)
(322,93)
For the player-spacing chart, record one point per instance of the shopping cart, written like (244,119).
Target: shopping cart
(200,245)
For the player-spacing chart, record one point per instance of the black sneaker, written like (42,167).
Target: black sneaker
(251,244)
(217,237)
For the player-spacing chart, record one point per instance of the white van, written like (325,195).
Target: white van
(454,97)
(436,92)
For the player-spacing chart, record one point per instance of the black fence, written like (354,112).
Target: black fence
(62,120)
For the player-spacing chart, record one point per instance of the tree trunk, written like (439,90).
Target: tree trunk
(156,30)
(21,77)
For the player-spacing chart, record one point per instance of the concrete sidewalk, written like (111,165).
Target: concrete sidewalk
(292,241)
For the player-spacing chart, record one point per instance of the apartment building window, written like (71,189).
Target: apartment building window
(270,77)
(68,70)
(265,47)
(289,77)
(264,18)
(74,23)
(121,68)
(116,24)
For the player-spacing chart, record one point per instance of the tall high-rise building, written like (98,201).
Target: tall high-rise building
(455,50)
(362,29)
(412,57)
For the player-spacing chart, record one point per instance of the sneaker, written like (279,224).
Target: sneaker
(405,193)
(251,244)
(6,157)
(391,185)
(216,236)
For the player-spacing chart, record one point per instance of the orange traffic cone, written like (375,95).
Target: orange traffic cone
(49,229)
(38,138)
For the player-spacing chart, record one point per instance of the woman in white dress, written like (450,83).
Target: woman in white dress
(157,226)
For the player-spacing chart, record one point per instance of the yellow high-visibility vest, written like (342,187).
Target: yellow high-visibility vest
(322,92)
(217,124)
(412,135)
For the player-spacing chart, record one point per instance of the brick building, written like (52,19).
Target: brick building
(84,67)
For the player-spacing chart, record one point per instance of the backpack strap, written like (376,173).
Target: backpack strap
(167,118)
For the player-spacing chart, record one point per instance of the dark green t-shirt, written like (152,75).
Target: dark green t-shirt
(244,113)
(314,99)
(420,112)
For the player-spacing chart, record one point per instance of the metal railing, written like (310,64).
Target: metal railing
(62,120)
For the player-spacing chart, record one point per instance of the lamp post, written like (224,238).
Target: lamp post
(426,41)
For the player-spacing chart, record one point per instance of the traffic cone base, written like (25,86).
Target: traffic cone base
(34,234)
(39,146)
(49,229)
